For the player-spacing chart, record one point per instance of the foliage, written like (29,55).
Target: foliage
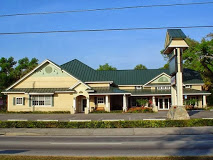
(112,111)
(191,101)
(140,66)
(108,124)
(11,71)
(166,66)
(140,110)
(199,57)
(106,67)
(141,102)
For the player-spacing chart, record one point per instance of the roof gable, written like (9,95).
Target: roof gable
(133,77)
(163,78)
(82,71)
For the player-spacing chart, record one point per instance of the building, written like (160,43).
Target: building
(77,88)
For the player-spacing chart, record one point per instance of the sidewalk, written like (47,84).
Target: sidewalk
(106,132)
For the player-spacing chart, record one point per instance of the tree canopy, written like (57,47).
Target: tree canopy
(199,57)
(106,67)
(11,71)
(140,66)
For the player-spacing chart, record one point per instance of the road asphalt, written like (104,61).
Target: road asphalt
(157,145)
(99,117)
(106,131)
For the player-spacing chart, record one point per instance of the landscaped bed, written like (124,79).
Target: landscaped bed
(109,124)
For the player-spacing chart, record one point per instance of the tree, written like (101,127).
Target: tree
(199,57)
(10,71)
(24,66)
(140,66)
(7,72)
(166,66)
(106,67)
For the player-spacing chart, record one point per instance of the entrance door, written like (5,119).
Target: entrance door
(84,104)
(163,103)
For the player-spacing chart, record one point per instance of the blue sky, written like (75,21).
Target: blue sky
(121,49)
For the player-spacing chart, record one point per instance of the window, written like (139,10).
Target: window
(19,101)
(187,86)
(41,100)
(163,88)
(100,100)
(138,87)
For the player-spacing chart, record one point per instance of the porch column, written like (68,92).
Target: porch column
(107,104)
(204,101)
(73,109)
(124,103)
(88,107)
(153,101)
(154,107)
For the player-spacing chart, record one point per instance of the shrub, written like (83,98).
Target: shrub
(140,110)
(108,124)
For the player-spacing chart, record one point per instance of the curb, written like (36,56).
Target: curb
(106,131)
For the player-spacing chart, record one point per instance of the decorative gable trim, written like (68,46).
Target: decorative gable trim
(80,82)
(157,78)
(31,72)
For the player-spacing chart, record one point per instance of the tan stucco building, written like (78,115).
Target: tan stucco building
(78,88)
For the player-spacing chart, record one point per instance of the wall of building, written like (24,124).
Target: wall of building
(126,87)
(62,102)
(196,87)
(98,84)
(43,78)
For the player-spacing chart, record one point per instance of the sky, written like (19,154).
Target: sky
(121,49)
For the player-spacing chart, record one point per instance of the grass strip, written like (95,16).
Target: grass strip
(109,124)
(18,157)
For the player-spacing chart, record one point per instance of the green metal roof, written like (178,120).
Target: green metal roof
(108,90)
(191,77)
(176,34)
(140,77)
(132,77)
(82,72)
(145,92)
(38,90)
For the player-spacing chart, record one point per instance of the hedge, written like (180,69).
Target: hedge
(108,124)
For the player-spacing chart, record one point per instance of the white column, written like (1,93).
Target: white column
(163,103)
(153,101)
(173,96)
(88,107)
(107,103)
(179,80)
(73,109)
(204,101)
(124,103)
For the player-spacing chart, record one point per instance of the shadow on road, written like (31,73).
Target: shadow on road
(12,151)
(188,145)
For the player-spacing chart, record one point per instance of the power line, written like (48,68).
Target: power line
(104,30)
(103,9)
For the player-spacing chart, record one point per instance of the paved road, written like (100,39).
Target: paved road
(102,116)
(109,146)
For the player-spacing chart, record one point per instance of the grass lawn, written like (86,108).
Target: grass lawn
(17,157)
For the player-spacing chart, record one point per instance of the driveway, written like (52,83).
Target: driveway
(100,116)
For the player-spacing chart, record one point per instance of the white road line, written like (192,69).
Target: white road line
(154,119)
(74,120)
(207,118)
(112,119)
(17,120)
(87,143)
(47,120)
